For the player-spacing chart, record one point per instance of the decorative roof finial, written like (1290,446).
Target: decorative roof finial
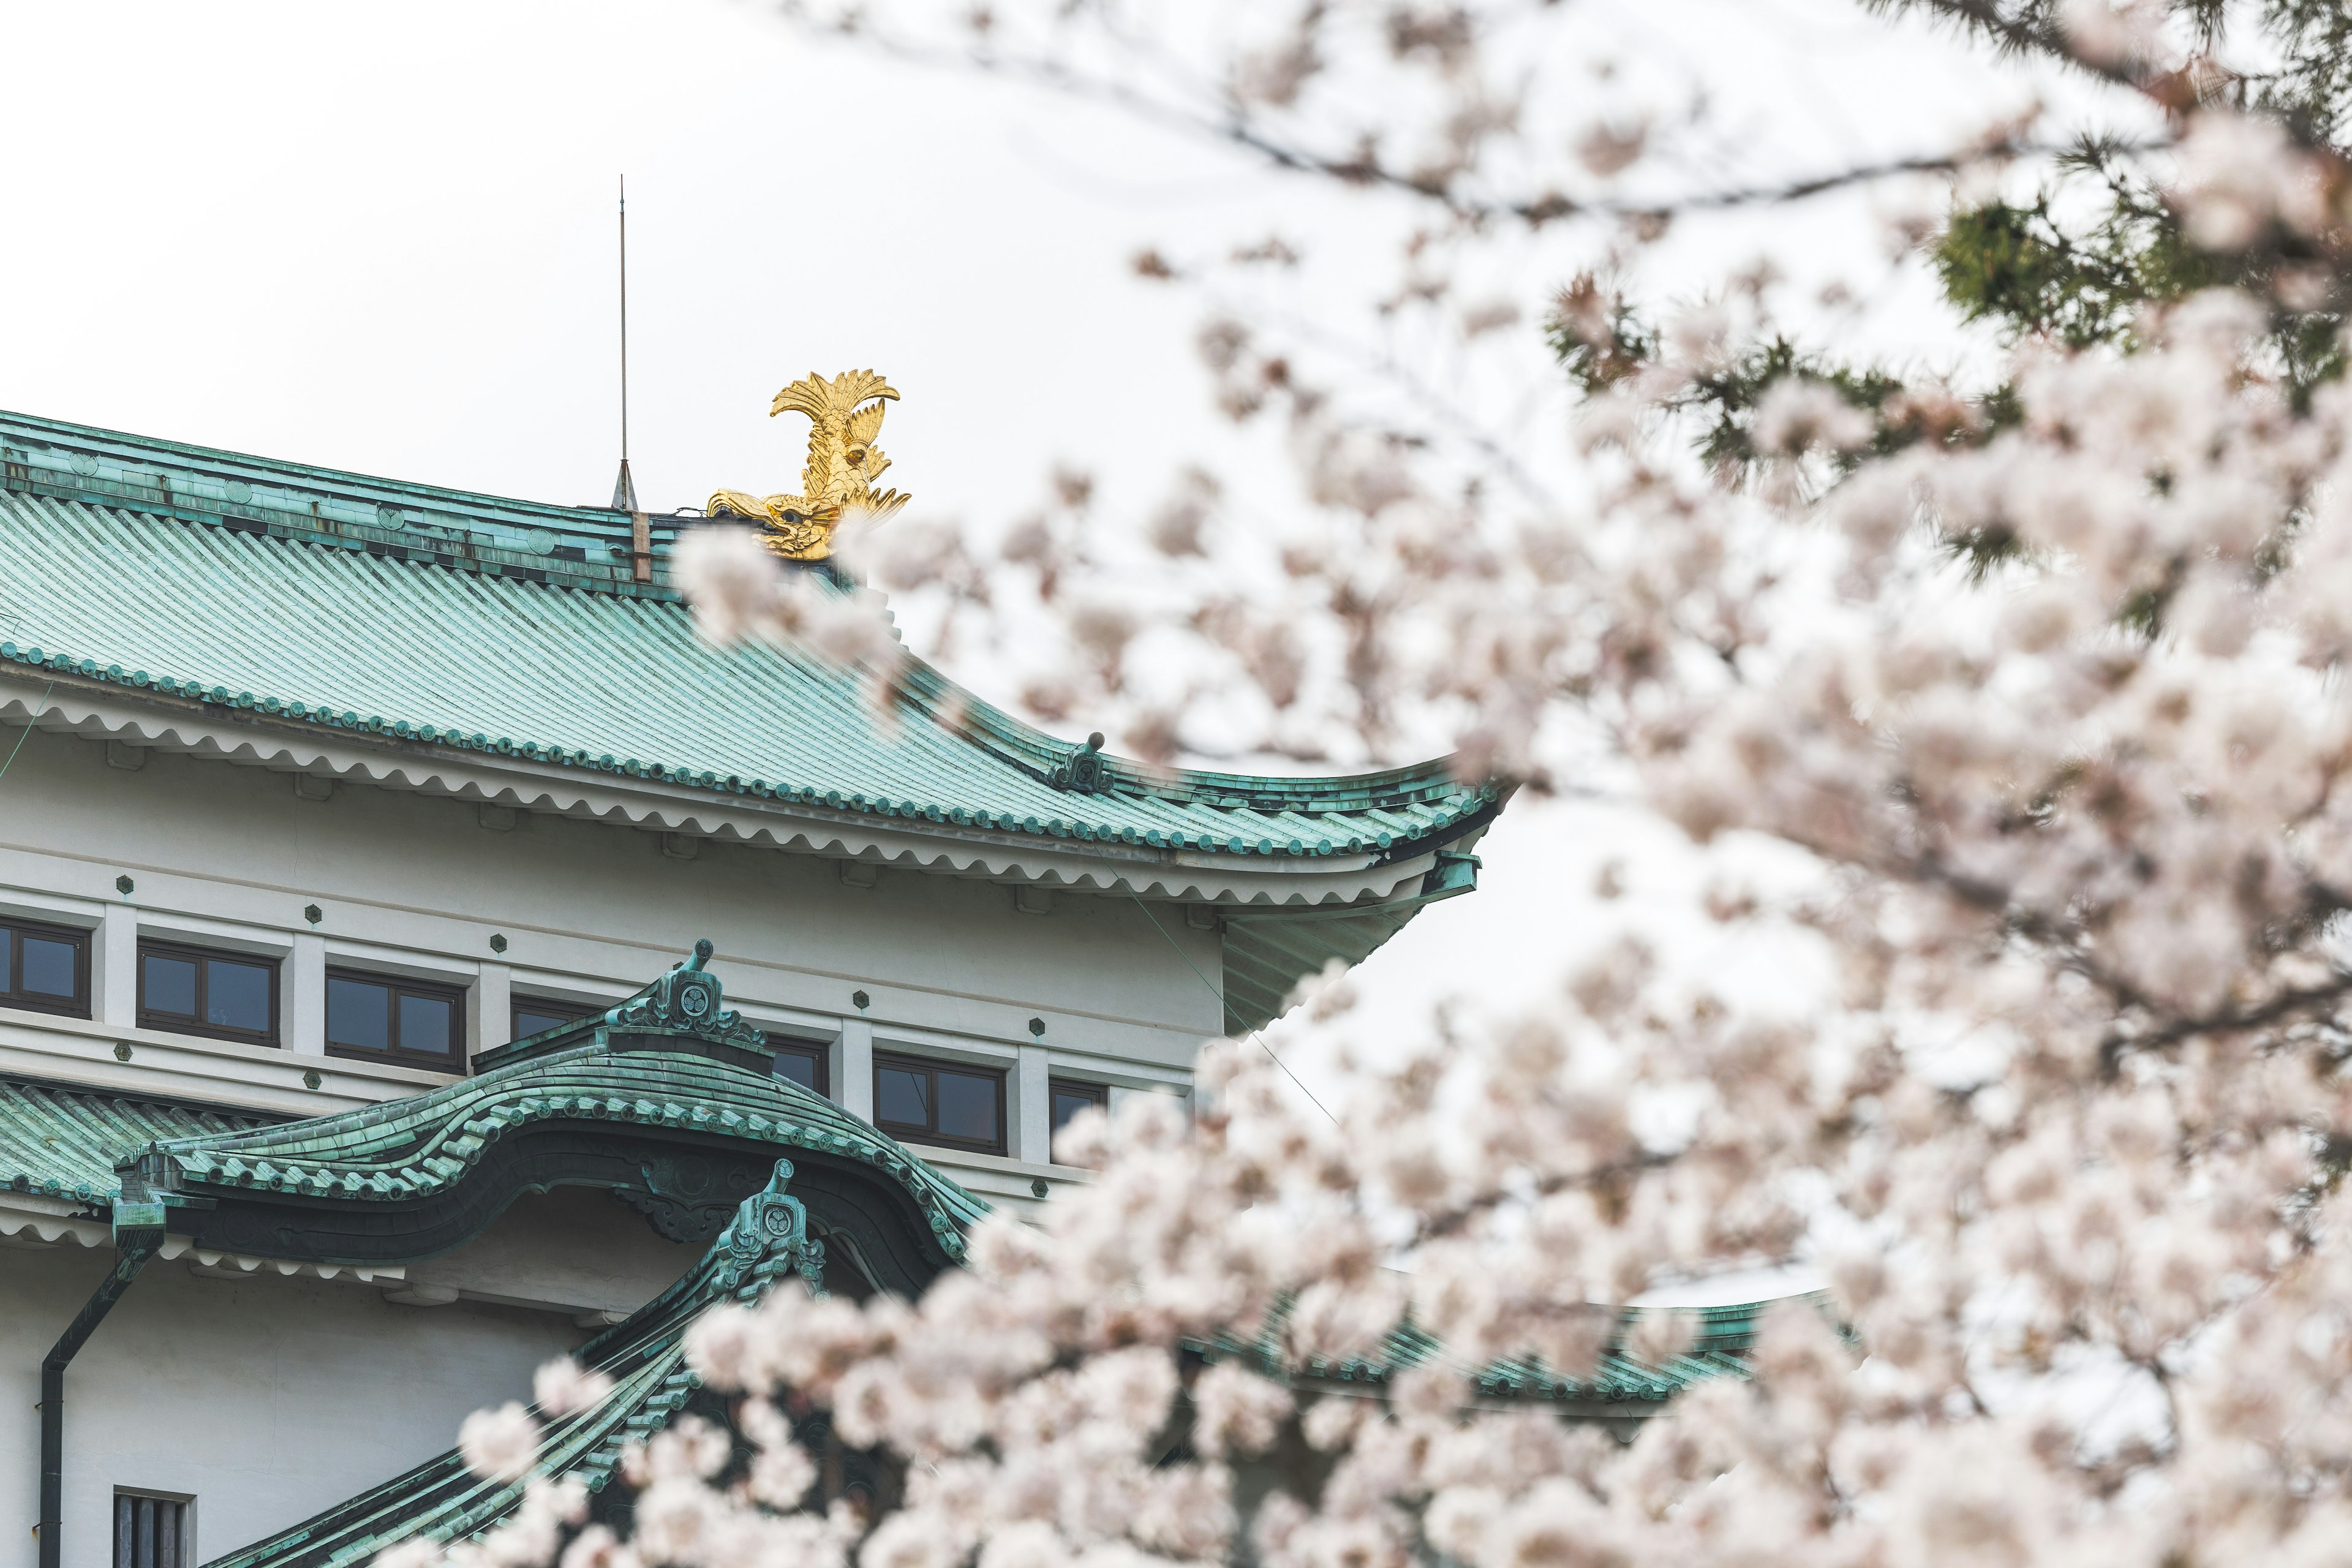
(688,1000)
(837,484)
(1084,768)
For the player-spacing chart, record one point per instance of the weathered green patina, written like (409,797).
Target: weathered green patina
(441,1500)
(225,586)
(1266,952)
(422,1146)
(142,587)
(64,1143)
(574,546)
(674,1060)
(669,1099)
(1719,1339)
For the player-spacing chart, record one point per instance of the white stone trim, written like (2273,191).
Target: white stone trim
(215,935)
(1000,1056)
(1033,1101)
(186,1068)
(489,1009)
(82,708)
(27,1220)
(302,1027)
(114,967)
(1003,1183)
(854,1089)
(52,908)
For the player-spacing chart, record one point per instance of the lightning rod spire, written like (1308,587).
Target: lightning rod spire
(624,489)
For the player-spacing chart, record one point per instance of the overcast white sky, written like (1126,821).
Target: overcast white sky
(382,236)
(382,239)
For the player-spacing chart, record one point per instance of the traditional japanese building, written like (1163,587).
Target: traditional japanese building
(421,954)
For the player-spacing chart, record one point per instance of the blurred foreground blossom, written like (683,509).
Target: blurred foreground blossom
(500,1444)
(2039,679)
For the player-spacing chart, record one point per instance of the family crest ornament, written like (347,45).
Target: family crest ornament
(837,482)
(688,1000)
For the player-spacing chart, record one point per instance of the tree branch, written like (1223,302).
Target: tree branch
(1231,124)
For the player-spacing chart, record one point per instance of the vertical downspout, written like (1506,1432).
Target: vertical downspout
(138,1235)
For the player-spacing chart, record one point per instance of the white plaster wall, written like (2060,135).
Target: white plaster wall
(573,1250)
(266,1398)
(403,879)
(270,1398)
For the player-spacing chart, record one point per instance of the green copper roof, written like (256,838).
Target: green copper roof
(1720,1338)
(410,1147)
(1266,953)
(579,546)
(442,1500)
(135,564)
(64,1143)
(407,1149)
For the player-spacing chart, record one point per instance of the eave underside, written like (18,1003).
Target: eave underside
(76,705)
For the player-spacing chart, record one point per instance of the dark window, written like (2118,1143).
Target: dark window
(45,968)
(191,992)
(533,1017)
(150,1531)
(397,1020)
(803,1062)
(933,1102)
(1070,1098)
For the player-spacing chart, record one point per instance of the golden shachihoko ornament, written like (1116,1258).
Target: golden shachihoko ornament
(845,415)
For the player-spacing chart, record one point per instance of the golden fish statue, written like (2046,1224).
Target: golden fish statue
(845,415)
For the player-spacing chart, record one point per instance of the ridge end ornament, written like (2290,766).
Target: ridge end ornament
(837,482)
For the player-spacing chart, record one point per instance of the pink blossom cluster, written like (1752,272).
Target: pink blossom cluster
(2051,698)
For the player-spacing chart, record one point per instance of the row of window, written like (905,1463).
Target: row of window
(186,990)
(234,997)
(959,1106)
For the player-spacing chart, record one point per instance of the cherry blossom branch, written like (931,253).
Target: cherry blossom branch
(1231,124)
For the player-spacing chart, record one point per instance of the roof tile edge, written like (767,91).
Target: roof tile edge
(209,498)
(575,547)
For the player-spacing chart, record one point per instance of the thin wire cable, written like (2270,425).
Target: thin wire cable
(43,704)
(1219,995)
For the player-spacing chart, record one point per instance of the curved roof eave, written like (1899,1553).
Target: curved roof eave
(90,707)
(261,590)
(423,1146)
(1261,816)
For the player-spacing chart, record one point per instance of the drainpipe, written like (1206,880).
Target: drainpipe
(137,1233)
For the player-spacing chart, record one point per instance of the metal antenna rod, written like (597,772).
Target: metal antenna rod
(624,488)
(624,318)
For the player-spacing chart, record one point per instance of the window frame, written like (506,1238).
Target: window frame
(905,1133)
(454,1063)
(126,1499)
(819,1052)
(548,1007)
(1096,1094)
(13,930)
(173,1023)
